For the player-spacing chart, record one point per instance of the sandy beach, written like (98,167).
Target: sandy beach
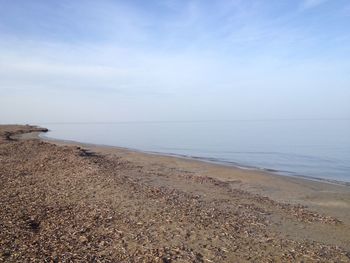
(72,202)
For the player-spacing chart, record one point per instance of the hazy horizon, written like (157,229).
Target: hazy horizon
(115,61)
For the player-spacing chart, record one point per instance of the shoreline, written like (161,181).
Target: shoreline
(68,201)
(253,180)
(43,136)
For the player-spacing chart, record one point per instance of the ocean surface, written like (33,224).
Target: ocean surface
(312,148)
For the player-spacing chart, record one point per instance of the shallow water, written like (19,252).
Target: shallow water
(313,148)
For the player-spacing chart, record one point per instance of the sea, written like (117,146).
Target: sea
(316,149)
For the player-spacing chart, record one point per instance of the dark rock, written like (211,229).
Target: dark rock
(34,225)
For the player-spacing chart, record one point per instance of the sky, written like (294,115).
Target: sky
(173,60)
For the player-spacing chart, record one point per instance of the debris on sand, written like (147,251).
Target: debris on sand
(67,204)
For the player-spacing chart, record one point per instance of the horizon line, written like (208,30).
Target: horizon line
(191,121)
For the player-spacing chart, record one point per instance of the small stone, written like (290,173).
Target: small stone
(83,239)
(6,254)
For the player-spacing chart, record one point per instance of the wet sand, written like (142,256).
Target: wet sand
(64,201)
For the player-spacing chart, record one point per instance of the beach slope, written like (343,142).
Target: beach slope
(68,202)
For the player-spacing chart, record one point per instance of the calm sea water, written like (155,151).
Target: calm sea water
(313,148)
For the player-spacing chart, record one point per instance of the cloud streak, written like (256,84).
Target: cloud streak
(308,4)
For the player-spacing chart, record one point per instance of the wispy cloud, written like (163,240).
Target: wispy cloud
(135,51)
(308,4)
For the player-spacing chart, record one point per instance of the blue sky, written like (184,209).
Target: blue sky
(173,60)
